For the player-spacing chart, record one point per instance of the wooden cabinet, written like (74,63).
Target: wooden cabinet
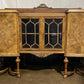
(75,34)
(42,31)
(9,31)
(74,44)
(9,35)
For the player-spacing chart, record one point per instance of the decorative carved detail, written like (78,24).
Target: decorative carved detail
(42,6)
(42,54)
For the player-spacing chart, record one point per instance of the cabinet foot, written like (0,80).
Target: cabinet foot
(65,76)
(17,72)
(18,75)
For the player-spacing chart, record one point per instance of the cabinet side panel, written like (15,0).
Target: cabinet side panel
(75,35)
(9,34)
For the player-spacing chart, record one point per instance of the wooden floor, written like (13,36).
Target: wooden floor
(45,76)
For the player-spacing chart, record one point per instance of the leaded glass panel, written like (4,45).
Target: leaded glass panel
(53,33)
(30,33)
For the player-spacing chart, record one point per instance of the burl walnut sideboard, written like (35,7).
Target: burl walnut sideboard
(42,31)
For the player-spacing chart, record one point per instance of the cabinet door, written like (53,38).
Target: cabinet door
(9,32)
(53,33)
(30,33)
(75,35)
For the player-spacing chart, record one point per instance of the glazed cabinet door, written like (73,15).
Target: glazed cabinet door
(9,33)
(29,33)
(75,35)
(53,31)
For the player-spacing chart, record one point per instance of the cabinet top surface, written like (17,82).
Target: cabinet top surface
(75,10)
(9,11)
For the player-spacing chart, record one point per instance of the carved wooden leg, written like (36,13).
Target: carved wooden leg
(66,64)
(18,70)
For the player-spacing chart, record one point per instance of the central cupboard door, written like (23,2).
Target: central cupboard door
(42,33)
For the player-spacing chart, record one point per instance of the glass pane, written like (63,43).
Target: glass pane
(46,28)
(48,46)
(25,20)
(37,39)
(23,28)
(53,28)
(30,39)
(53,39)
(60,28)
(26,46)
(34,20)
(23,38)
(46,39)
(58,46)
(37,28)
(60,38)
(35,46)
(58,20)
(30,28)
(48,20)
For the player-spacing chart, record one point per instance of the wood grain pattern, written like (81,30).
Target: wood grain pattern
(75,35)
(9,34)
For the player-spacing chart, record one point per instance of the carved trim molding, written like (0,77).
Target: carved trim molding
(42,6)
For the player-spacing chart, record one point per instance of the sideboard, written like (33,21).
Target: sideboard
(42,31)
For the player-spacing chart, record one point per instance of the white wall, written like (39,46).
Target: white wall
(35,3)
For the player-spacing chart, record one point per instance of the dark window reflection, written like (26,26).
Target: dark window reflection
(60,28)
(30,28)
(60,38)
(48,20)
(30,39)
(53,28)
(37,28)
(25,20)
(58,46)
(23,38)
(46,28)
(23,28)
(37,39)
(58,20)
(34,20)
(53,39)
(46,39)
(26,46)
(35,46)
(48,46)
